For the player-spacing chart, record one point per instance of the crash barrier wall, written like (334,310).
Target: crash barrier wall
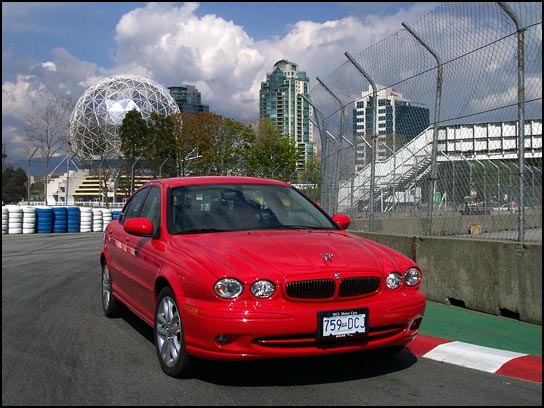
(496,277)
(48,219)
(448,225)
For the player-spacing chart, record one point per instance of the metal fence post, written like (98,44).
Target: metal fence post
(521,119)
(439,78)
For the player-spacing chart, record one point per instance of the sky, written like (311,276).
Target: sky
(225,49)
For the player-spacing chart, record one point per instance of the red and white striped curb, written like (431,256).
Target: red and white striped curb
(507,363)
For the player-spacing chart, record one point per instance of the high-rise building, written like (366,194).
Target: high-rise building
(280,100)
(399,121)
(188,99)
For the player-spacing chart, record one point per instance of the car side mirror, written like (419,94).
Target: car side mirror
(343,220)
(142,227)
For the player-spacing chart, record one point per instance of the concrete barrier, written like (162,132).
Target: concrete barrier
(496,277)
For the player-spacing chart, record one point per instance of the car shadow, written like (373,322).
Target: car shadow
(302,370)
(294,371)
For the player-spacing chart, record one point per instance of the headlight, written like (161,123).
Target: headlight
(228,288)
(263,289)
(393,280)
(412,277)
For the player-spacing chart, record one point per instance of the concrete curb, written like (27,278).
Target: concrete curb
(507,363)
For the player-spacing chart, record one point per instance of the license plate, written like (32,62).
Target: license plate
(342,323)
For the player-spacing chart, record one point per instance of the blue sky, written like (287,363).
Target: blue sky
(225,49)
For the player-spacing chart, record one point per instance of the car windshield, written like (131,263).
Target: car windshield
(235,207)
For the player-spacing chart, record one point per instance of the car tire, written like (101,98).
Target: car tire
(110,305)
(169,336)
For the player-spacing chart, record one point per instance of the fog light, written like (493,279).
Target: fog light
(222,339)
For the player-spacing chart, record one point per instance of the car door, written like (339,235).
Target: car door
(145,255)
(117,239)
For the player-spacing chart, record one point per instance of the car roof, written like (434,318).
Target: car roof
(201,180)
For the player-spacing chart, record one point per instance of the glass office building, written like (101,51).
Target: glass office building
(188,99)
(280,100)
(399,121)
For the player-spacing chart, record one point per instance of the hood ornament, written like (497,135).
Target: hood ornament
(327,256)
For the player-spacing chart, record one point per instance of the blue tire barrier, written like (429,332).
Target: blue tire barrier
(44,219)
(60,219)
(115,214)
(74,219)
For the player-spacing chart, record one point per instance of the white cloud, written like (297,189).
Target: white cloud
(170,44)
(49,65)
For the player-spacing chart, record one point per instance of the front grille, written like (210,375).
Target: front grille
(361,285)
(311,289)
(326,288)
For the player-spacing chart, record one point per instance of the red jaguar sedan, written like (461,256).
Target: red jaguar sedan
(238,268)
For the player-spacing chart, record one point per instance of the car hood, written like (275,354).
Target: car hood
(279,254)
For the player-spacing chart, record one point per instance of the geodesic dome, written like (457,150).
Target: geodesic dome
(98,114)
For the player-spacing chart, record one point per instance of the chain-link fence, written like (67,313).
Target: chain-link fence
(420,132)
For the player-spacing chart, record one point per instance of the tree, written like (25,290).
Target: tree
(230,146)
(272,155)
(49,129)
(4,155)
(134,136)
(310,177)
(14,185)
(135,139)
(161,150)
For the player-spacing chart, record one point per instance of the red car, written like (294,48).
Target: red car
(238,268)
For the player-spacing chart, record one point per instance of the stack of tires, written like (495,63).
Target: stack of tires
(15,219)
(86,214)
(60,219)
(97,220)
(74,219)
(5,220)
(29,219)
(44,219)
(115,214)
(106,217)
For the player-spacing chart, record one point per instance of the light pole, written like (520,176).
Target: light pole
(132,175)
(28,177)
(160,168)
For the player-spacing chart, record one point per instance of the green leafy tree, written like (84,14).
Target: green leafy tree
(134,134)
(162,148)
(310,178)
(14,185)
(4,156)
(272,155)
(36,191)
(230,145)
(196,142)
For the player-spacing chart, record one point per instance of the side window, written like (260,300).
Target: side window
(152,207)
(132,210)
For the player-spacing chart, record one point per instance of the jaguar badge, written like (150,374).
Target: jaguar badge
(327,256)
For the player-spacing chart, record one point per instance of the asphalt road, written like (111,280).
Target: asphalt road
(59,349)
